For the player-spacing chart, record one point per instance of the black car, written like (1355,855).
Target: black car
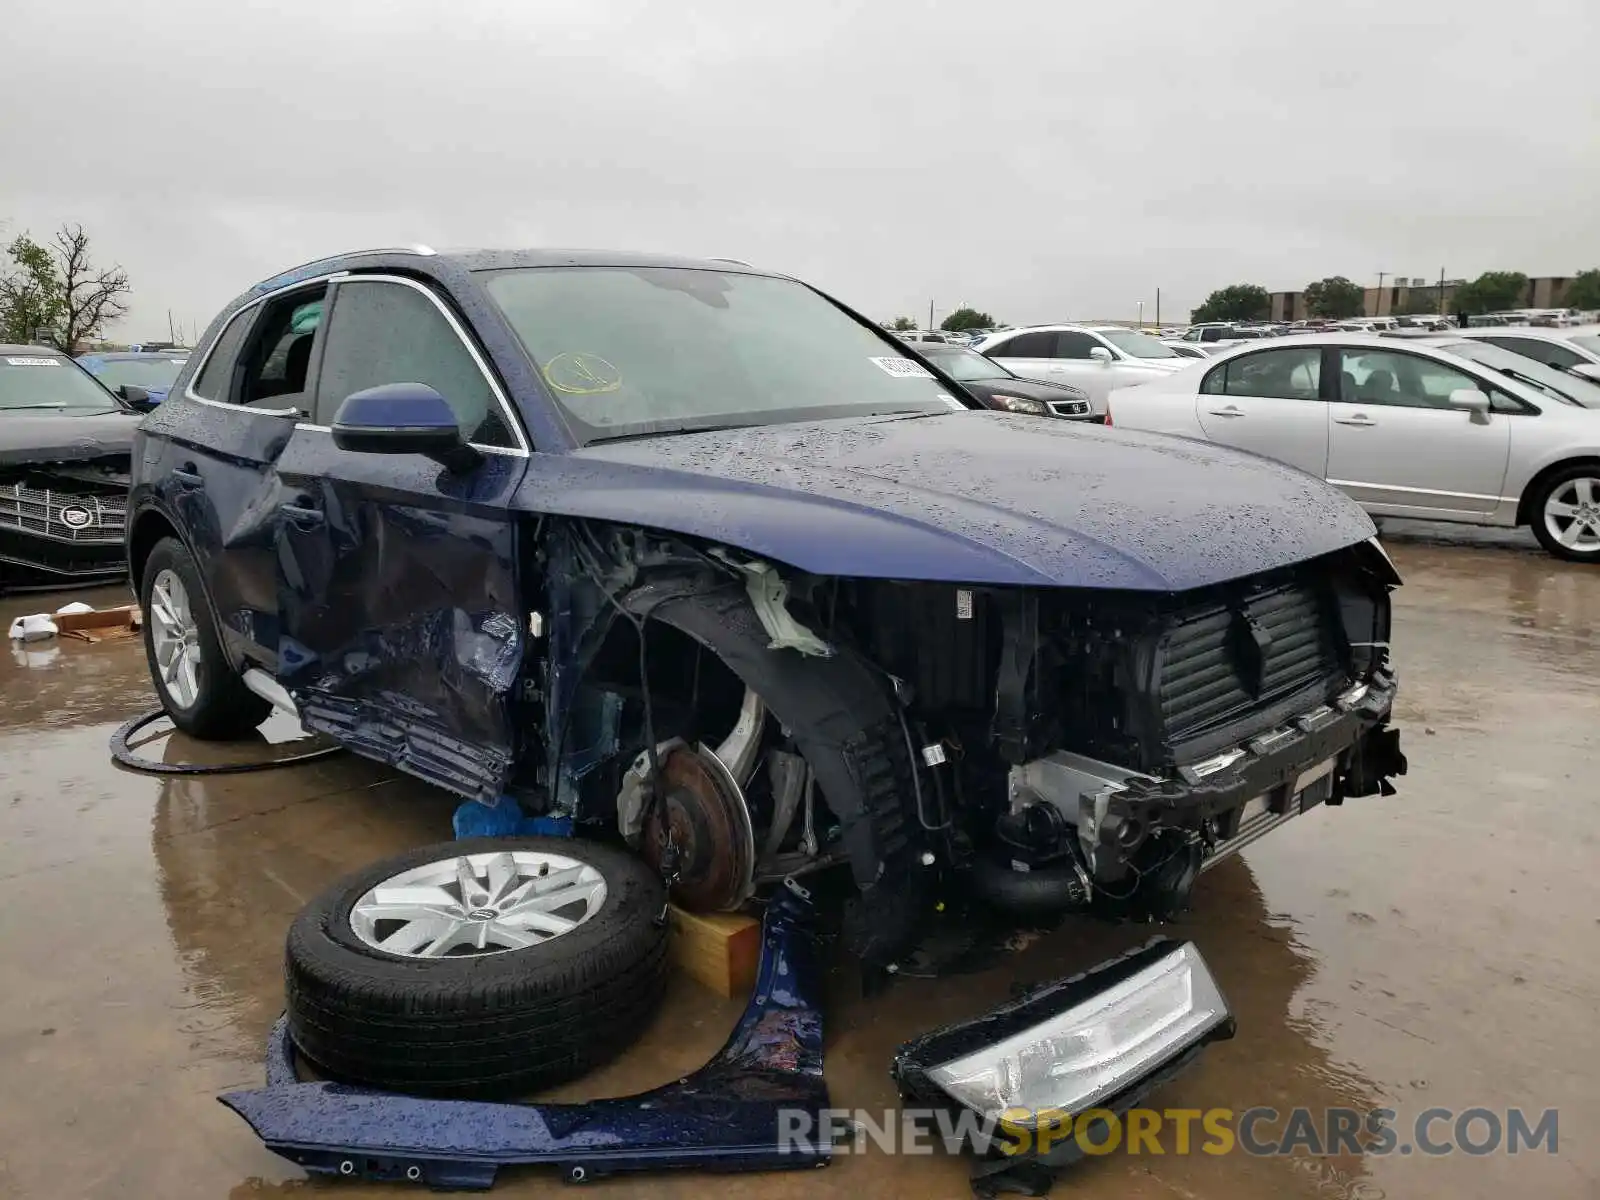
(64,447)
(994,386)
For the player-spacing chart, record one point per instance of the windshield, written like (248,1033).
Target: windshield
(629,351)
(141,372)
(1557,385)
(964,366)
(1139,345)
(47,382)
(1589,341)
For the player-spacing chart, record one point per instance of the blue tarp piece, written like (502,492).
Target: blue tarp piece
(505,819)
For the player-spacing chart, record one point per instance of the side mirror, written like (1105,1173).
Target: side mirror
(1474,401)
(1586,370)
(1100,355)
(137,396)
(403,418)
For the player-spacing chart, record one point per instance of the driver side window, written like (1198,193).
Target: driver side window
(1070,344)
(382,332)
(1400,380)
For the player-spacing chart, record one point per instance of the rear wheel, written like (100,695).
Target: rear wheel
(1566,513)
(199,689)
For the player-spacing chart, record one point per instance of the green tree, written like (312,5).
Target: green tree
(31,301)
(1335,298)
(1584,290)
(1241,302)
(966,318)
(1493,291)
(901,324)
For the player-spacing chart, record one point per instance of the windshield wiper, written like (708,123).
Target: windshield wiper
(18,407)
(668,427)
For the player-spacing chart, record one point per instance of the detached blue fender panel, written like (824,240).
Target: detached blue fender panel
(727,1116)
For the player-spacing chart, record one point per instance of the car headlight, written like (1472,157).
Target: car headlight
(1076,1044)
(1019,404)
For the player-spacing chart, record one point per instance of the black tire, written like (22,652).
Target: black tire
(1548,488)
(223,707)
(486,1026)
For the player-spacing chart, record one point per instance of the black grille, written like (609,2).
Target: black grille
(1218,663)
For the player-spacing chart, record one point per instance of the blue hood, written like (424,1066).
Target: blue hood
(969,497)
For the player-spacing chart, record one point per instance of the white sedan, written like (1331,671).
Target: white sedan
(1096,358)
(1575,348)
(1406,428)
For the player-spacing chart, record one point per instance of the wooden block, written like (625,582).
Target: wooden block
(126,617)
(719,950)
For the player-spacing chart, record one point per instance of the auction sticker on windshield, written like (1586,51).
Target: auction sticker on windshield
(903,368)
(33,362)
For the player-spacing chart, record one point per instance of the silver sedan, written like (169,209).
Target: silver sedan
(1408,429)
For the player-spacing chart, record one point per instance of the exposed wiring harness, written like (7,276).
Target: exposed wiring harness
(125,756)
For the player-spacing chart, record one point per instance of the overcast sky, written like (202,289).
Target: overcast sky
(1039,160)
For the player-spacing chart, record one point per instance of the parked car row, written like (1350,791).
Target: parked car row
(1448,427)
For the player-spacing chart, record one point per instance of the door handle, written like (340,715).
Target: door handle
(1230,411)
(298,514)
(1358,419)
(188,477)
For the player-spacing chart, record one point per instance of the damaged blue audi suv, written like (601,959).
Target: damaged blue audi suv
(697,560)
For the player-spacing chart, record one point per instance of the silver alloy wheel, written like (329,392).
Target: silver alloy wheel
(175,636)
(478,904)
(1572,514)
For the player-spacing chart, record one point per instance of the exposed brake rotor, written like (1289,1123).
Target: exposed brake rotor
(705,810)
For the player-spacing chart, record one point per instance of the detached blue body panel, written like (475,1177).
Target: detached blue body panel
(727,1116)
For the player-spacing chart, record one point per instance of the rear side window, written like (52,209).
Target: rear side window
(216,377)
(1293,373)
(382,332)
(1027,345)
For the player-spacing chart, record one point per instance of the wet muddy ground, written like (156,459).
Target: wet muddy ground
(1437,948)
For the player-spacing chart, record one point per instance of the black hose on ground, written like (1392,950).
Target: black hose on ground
(125,756)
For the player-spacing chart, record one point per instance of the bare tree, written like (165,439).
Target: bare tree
(91,297)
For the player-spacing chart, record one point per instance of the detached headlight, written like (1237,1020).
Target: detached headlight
(1075,1044)
(1019,404)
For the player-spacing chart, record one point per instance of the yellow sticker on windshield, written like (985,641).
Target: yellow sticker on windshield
(580,374)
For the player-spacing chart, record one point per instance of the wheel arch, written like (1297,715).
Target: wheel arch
(1536,484)
(149,527)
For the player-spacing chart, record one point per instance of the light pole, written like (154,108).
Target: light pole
(1141,314)
(1377,300)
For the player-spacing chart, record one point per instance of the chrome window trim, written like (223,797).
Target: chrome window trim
(188,389)
(513,423)
(503,451)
